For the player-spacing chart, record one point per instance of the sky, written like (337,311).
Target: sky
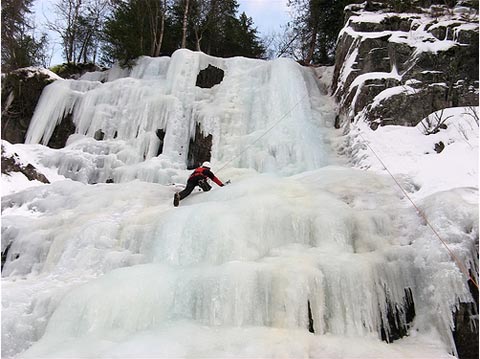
(268,17)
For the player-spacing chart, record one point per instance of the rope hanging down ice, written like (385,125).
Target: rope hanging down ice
(264,134)
(460,265)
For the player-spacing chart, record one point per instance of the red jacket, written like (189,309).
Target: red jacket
(202,173)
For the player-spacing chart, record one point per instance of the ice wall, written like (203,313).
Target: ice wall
(265,115)
(246,270)
(104,270)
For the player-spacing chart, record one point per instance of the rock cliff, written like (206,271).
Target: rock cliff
(397,68)
(21,90)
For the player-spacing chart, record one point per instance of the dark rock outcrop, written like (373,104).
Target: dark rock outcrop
(21,90)
(311,327)
(12,164)
(466,330)
(5,252)
(386,77)
(209,77)
(399,318)
(161,136)
(465,320)
(439,147)
(199,149)
(62,132)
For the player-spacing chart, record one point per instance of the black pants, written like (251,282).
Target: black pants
(191,184)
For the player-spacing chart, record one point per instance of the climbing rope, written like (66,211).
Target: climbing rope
(264,134)
(460,265)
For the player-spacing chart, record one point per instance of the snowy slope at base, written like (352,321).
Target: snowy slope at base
(114,270)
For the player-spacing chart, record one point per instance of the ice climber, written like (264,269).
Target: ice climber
(197,178)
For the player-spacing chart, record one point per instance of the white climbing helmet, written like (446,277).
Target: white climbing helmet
(206,164)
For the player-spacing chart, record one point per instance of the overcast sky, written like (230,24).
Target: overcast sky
(268,16)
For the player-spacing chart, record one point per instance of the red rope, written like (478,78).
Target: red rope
(460,265)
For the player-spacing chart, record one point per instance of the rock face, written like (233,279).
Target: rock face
(397,68)
(199,149)
(465,321)
(161,136)
(12,164)
(21,90)
(62,132)
(466,338)
(209,77)
(399,318)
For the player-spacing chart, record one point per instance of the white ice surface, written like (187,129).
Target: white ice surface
(274,111)
(407,151)
(335,237)
(114,270)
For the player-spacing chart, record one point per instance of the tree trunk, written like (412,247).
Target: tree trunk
(313,25)
(141,20)
(84,48)
(311,48)
(153,21)
(94,55)
(162,30)
(74,24)
(184,27)
(198,38)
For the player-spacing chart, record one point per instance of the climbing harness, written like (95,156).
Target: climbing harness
(204,185)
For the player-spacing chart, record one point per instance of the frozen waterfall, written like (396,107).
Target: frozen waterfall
(299,257)
(160,94)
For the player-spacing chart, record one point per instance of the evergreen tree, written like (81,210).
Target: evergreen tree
(135,28)
(218,32)
(244,40)
(218,24)
(210,26)
(124,33)
(20,48)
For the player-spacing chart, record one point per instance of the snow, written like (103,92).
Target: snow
(15,182)
(392,91)
(419,37)
(105,270)
(190,340)
(32,71)
(408,151)
(347,68)
(24,155)
(160,94)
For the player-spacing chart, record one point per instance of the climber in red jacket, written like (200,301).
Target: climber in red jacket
(197,178)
